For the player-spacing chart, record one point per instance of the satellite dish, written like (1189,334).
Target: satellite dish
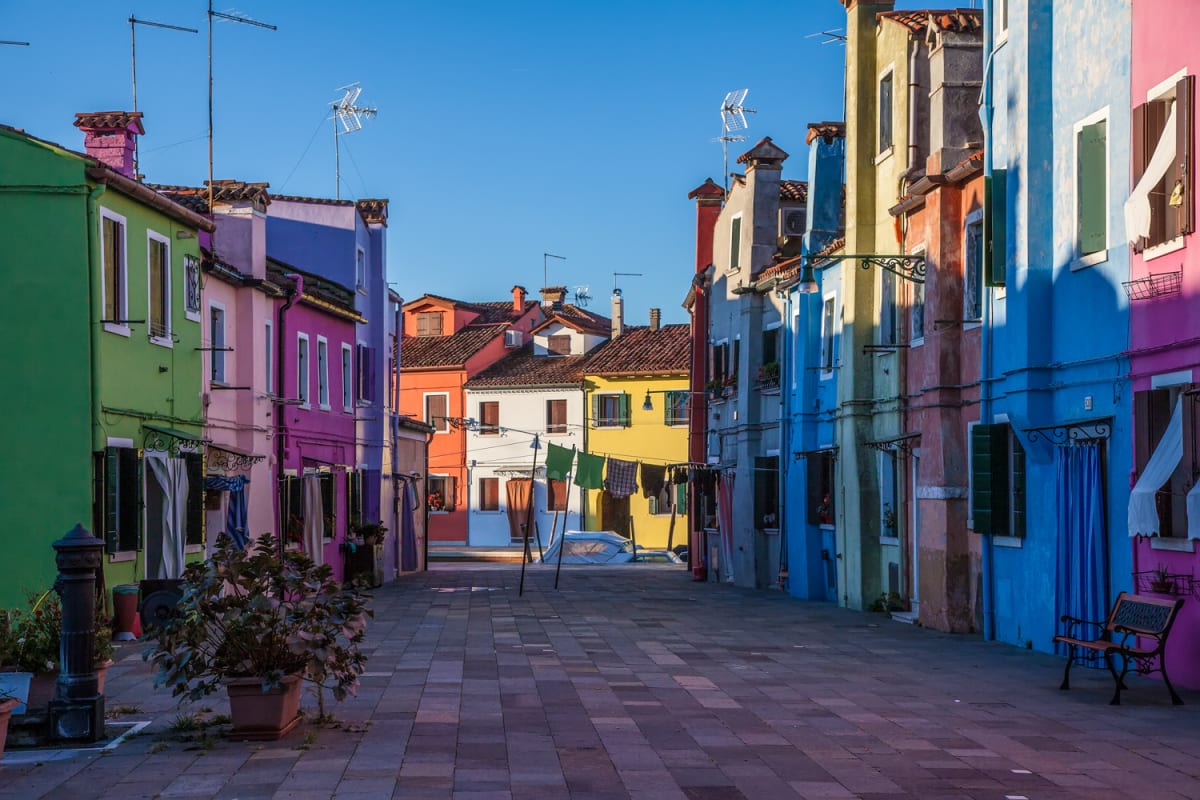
(582,296)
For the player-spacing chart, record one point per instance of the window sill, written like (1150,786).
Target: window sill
(1089,260)
(361,290)
(677,424)
(122,556)
(438,513)
(305,406)
(490,512)
(890,540)
(1159,250)
(162,342)
(192,316)
(325,407)
(193,549)
(1172,543)
(1015,542)
(916,343)
(119,330)
(885,154)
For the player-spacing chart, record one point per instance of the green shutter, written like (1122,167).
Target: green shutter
(139,492)
(989,479)
(681,497)
(1018,488)
(735,243)
(595,410)
(195,499)
(624,409)
(112,541)
(995,228)
(1092,188)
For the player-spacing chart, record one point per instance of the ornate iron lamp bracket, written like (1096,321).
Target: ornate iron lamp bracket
(911,268)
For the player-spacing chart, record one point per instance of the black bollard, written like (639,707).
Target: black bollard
(77,710)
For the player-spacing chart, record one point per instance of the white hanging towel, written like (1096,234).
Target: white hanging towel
(1137,207)
(1143,515)
(314,519)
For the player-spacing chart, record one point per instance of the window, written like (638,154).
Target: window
(916,314)
(997,480)
(116,276)
(995,227)
(302,375)
(657,505)
(158,250)
(194,524)
(973,271)
(735,358)
(429,323)
(323,372)
(347,380)
(675,409)
(291,508)
(719,357)
(269,352)
(1163,175)
(489,418)
(1091,187)
(354,498)
(442,494)
(827,320)
(885,112)
(770,346)
(513,338)
(122,506)
(887,307)
(366,373)
(1152,411)
(328,504)
(360,269)
(558,345)
(889,501)
(436,411)
(819,473)
(191,287)
(557,495)
(556,416)
(610,410)
(766,492)
(735,243)
(216,342)
(489,494)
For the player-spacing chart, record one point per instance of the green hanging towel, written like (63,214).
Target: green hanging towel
(589,472)
(558,462)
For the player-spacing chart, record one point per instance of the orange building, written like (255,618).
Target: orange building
(446,343)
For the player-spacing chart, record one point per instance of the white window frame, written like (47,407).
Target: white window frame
(323,373)
(303,371)
(191,262)
(270,356)
(425,411)
(347,378)
(161,341)
(913,340)
(830,335)
(975,217)
(1156,92)
(884,153)
(119,328)
(360,270)
(1078,259)
(216,355)
(1000,11)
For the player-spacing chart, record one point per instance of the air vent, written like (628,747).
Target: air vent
(793,222)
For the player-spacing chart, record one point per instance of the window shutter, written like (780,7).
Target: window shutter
(995,228)
(195,499)
(451,496)
(1018,486)
(1092,188)
(111,481)
(624,409)
(989,478)
(1141,430)
(595,410)
(139,484)
(681,498)
(1190,450)
(736,360)
(1137,157)
(1185,136)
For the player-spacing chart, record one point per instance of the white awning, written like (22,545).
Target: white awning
(1143,514)
(1137,207)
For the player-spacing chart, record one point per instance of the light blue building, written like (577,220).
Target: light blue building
(1051,457)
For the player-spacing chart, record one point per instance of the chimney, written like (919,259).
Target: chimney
(655,318)
(553,296)
(764,163)
(110,136)
(518,299)
(709,197)
(618,314)
(955,73)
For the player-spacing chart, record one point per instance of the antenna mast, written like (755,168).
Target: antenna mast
(733,118)
(350,116)
(545,274)
(133,23)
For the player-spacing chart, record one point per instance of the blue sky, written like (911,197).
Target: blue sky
(504,130)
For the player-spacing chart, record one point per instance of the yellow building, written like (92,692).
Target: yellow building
(640,364)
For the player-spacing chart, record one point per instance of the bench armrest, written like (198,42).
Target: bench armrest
(1073,622)
(1126,633)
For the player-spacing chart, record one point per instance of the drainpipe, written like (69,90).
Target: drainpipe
(281,412)
(785,426)
(985,355)
(93,320)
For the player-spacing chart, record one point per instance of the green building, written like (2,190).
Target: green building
(102,411)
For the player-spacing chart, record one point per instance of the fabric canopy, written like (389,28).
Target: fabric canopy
(1143,514)
(1137,207)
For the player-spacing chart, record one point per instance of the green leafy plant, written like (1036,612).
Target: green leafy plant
(368,532)
(769,372)
(261,613)
(33,635)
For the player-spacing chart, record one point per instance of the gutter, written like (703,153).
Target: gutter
(987,563)
(104,175)
(280,409)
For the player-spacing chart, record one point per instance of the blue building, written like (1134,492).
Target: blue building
(1051,456)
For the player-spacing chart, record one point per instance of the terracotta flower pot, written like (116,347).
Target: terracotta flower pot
(263,716)
(102,674)
(6,709)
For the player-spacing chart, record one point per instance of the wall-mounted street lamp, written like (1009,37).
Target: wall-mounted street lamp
(648,404)
(911,268)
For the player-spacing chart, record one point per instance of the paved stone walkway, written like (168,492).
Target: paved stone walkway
(633,682)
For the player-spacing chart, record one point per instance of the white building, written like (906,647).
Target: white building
(537,390)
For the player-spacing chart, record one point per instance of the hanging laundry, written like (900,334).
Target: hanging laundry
(679,475)
(589,471)
(621,478)
(654,479)
(558,462)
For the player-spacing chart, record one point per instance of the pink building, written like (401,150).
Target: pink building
(1164,289)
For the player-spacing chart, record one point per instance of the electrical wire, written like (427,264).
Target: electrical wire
(307,147)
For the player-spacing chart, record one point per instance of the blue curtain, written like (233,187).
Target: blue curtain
(408,528)
(236,513)
(1082,585)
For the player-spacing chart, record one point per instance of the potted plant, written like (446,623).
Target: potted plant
(1161,581)
(38,632)
(889,520)
(768,374)
(103,653)
(371,533)
(258,621)
(14,682)
(714,387)
(435,501)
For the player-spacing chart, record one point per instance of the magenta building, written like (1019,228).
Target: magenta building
(320,488)
(1164,289)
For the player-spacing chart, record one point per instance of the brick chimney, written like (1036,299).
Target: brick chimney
(618,314)
(709,197)
(553,296)
(518,299)
(655,318)
(110,136)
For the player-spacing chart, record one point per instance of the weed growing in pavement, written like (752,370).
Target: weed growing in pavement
(310,739)
(184,723)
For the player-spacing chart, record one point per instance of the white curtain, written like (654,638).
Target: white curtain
(314,519)
(1143,516)
(171,474)
(1137,207)
(1193,512)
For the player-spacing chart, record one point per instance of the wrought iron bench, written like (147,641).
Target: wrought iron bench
(1133,620)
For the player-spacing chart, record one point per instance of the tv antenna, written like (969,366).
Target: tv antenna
(733,119)
(582,296)
(545,277)
(615,274)
(831,36)
(349,116)
(14,44)
(133,23)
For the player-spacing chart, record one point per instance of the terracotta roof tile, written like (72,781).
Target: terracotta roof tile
(314,285)
(837,244)
(779,270)
(961,20)
(579,318)
(424,352)
(373,211)
(224,191)
(523,368)
(189,197)
(793,190)
(117,120)
(708,189)
(826,130)
(639,350)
